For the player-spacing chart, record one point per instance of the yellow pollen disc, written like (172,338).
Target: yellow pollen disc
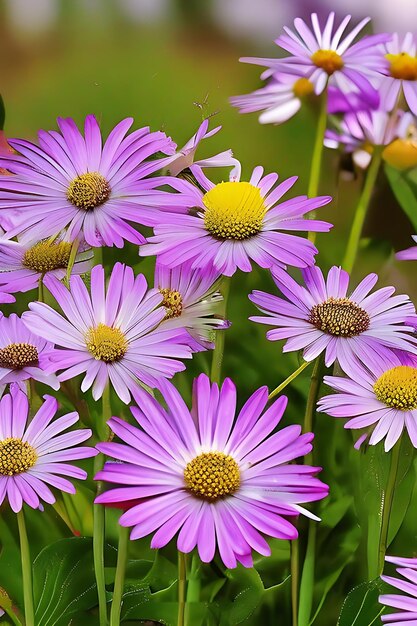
(401,153)
(16,456)
(211,475)
(18,355)
(234,211)
(339,317)
(106,343)
(302,87)
(46,256)
(88,190)
(402,66)
(172,302)
(397,388)
(328,60)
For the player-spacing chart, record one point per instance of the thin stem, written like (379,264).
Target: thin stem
(182,583)
(41,295)
(119,580)
(26,570)
(217,359)
(387,505)
(71,260)
(313,183)
(11,615)
(294,580)
(194,582)
(288,380)
(313,393)
(98,256)
(361,209)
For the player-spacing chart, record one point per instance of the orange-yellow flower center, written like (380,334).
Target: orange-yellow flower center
(106,343)
(302,87)
(18,355)
(211,475)
(46,256)
(339,317)
(328,60)
(88,191)
(172,302)
(397,388)
(16,456)
(402,65)
(234,210)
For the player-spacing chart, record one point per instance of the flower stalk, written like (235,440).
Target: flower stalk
(122,554)
(315,170)
(218,352)
(26,570)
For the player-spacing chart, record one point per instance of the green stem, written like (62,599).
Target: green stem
(119,580)
(314,180)
(288,380)
(315,382)
(294,580)
(217,359)
(387,505)
(361,209)
(26,570)
(98,256)
(182,583)
(41,296)
(194,582)
(71,260)
(11,615)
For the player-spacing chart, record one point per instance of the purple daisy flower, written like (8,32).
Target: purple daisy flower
(410,254)
(35,455)
(382,401)
(322,56)
(401,72)
(214,480)
(279,100)
(24,265)
(322,318)
(407,615)
(24,355)
(235,222)
(349,102)
(72,182)
(192,302)
(110,336)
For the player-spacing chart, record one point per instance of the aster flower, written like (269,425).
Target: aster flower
(235,222)
(402,152)
(24,265)
(321,317)
(111,334)
(348,102)
(213,479)
(72,182)
(406,601)
(401,73)
(279,100)
(24,354)
(410,254)
(192,302)
(184,158)
(35,455)
(322,56)
(381,401)
(360,132)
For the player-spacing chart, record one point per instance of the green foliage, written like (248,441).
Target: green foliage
(361,606)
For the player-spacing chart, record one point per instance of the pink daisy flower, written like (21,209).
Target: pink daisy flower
(406,602)
(322,56)
(72,182)
(111,334)
(24,265)
(381,401)
(401,72)
(321,317)
(34,455)
(24,355)
(214,480)
(192,302)
(236,222)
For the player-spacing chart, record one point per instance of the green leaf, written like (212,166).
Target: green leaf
(64,582)
(247,590)
(361,606)
(404,188)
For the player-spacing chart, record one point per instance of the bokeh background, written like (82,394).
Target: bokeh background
(168,63)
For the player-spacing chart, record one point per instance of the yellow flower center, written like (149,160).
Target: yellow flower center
(397,387)
(402,66)
(302,87)
(234,210)
(46,256)
(88,190)
(18,355)
(106,343)
(339,317)
(211,475)
(402,153)
(328,60)
(172,302)
(16,456)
